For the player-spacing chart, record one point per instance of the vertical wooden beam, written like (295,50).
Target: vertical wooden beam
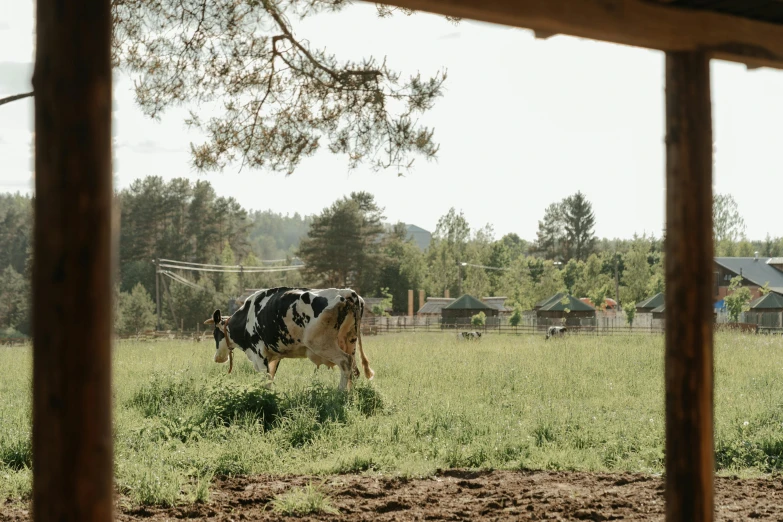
(410,302)
(72,272)
(689,258)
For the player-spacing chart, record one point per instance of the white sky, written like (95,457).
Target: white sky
(523,123)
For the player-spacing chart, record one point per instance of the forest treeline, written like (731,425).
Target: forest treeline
(349,243)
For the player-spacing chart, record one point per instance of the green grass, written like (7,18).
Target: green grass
(303,501)
(586,403)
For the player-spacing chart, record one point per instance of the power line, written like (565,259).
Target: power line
(484,267)
(269,261)
(235,269)
(179,279)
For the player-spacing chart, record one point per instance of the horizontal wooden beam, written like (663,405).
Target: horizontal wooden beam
(652,25)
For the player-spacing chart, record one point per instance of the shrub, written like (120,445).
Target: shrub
(516,317)
(303,501)
(136,311)
(478,320)
(228,401)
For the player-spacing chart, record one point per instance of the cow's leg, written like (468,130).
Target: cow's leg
(340,359)
(272,368)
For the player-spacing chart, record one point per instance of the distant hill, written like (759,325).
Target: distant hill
(420,236)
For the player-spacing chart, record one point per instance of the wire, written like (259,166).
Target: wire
(243,270)
(182,280)
(484,267)
(218,266)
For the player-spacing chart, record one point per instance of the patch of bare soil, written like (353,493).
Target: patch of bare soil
(465,495)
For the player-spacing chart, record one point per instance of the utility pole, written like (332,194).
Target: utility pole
(157,290)
(171,303)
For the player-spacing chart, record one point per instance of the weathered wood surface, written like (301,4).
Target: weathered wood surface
(689,314)
(653,25)
(72,291)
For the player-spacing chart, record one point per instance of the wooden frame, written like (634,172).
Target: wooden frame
(72,267)
(649,24)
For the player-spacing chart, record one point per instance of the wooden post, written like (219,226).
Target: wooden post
(157,291)
(72,272)
(689,258)
(421,299)
(410,303)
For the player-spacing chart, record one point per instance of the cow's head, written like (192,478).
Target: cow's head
(221,335)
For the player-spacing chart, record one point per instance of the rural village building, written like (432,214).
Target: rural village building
(766,310)
(755,272)
(433,306)
(651,303)
(566,306)
(464,308)
(608,304)
(499,303)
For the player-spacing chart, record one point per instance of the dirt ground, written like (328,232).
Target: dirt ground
(463,495)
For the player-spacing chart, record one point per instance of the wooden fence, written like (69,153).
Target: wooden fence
(413,324)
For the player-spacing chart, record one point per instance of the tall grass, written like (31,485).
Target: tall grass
(581,403)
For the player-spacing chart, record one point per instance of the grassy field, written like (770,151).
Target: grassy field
(582,403)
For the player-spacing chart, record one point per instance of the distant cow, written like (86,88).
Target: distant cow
(469,336)
(555,331)
(282,323)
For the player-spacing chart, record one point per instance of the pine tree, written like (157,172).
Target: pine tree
(342,246)
(579,223)
(550,238)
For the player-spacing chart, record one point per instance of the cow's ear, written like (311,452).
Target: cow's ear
(216,316)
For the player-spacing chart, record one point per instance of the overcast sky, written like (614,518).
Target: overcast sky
(523,123)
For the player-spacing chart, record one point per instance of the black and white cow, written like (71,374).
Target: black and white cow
(469,336)
(555,331)
(282,323)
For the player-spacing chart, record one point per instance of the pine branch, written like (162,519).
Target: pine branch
(15,97)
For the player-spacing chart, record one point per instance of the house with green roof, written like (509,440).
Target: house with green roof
(766,310)
(548,300)
(651,303)
(564,306)
(464,308)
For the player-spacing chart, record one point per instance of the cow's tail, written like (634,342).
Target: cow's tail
(368,372)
